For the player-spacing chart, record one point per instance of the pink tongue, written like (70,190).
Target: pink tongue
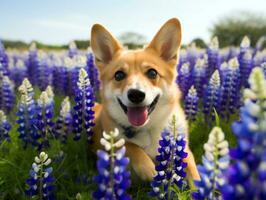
(137,116)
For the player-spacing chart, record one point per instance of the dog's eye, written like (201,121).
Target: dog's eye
(152,73)
(120,75)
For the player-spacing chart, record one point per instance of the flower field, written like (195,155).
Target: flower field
(46,121)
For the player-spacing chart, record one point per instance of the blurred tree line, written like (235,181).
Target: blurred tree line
(229,29)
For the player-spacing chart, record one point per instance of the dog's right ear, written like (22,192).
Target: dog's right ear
(103,44)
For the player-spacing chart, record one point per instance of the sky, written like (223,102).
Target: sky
(60,21)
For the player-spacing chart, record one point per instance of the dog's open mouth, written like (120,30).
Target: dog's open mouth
(138,115)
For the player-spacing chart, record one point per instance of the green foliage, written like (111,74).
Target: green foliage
(199,43)
(231,29)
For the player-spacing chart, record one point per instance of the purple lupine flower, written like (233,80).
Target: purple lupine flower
(72,49)
(245,61)
(191,104)
(32,63)
(44,72)
(171,166)
(7,96)
(113,179)
(212,97)
(213,56)
(18,72)
(45,112)
(64,121)
(93,73)
(215,161)
(230,101)
(60,77)
(246,176)
(3,60)
(183,79)
(199,76)
(40,184)
(83,114)
(26,115)
(5,127)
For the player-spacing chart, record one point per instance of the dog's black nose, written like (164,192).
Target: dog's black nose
(135,96)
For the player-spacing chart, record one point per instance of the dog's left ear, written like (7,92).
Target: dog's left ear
(167,40)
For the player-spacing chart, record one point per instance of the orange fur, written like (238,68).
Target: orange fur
(162,55)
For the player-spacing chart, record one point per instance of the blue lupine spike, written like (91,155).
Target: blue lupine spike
(212,97)
(45,111)
(63,124)
(199,76)
(93,73)
(215,162)
(60,76)
(183,79)
(191,104)
(230,101)
(43,72)
(26,115)
(18,72)
(83,114)
(245,61)
(5,127)
(213,56)
(32,63)
(3,60)
(113,179)
(244,177)
(171,165)
(40,184)
(7,96)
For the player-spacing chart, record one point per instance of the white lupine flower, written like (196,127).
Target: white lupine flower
(214,44)
(184,68)
(83,80)
(233,63)
(65,109)
(215,79)
(49,91)
(119,143)
(245,42)
(26,91)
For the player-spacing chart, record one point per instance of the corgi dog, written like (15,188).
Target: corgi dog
(139,95)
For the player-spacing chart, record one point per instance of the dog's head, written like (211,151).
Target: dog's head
(135,84)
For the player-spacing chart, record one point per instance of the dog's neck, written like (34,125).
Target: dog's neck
(129,131)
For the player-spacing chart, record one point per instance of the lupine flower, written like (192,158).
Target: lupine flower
(92,72)
(246,176)
(199,76)
(191,103)
(212,96)
(45,111)
(44,72)
(40,183)
(263,66)
(27,115)
(230,101)
(60,77)
(72,49)
(32,63)
(213,56)
(76,64)
(5,127)
(215,161)
(171,166)
(3,60)
(64,121)
(113,179)
(183,78)
(18,72)
(7,96)
(83,113)
(245,61)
